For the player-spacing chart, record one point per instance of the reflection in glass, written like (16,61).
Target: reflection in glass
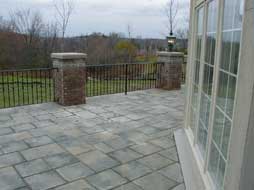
(235,52)
(226,135)
(221,172)
(229,62)
(214,159)
(222,90)
(202,138)
(196,69)
(231,96)
(218,127)
(205,104)
(226,50)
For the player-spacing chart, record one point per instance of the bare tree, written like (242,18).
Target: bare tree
(171,11)
(64,9)
(27,23)
(49,41)
(129,30)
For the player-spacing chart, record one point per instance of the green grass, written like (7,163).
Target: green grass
(103,87)
(18,91)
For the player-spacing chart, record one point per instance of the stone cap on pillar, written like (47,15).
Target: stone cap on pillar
(68,55)
(69,60)
(170,57)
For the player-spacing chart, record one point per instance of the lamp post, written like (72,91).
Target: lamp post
(171,41)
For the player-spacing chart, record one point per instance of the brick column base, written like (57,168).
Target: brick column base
(69,78)
(170,70)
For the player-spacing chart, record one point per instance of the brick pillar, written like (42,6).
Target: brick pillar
(69,78)
(170,70)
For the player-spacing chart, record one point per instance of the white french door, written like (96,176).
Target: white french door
(215,63)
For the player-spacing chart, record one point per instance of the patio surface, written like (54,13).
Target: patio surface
(113,142)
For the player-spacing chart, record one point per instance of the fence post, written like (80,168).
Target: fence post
(170,71)
(126,79)
(70,77)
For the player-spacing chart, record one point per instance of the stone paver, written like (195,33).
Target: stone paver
(119,143)
(125,155)
(97,160)
(155,181)
(114,142)
(32,167)
(179,187)
(44,181)
(39,141)
(75,171)
(14,146)
(42,151)
(9,179)
(173,172)
(77,185)
(132,170)
(23,127)
(10,159)
(5,131)
(146,148)
(104,148)
(129,186)
(155,161)
(59,160)
(170,153)
(106,180)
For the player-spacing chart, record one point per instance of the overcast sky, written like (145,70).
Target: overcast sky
(146,17)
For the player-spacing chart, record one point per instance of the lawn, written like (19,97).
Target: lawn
(17,90)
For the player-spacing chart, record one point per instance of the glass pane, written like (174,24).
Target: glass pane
(210,81)
(202,138)
(206,79)
(208,107)
(199,44)
(208,49)
(218,127)
(203,108)
(200,18)
(231,96)
(225,140)
(229,6)
(226,50)
(197,67)
(221,172)
(239,9)
(235,52)
(192,119)
(222,90)
(213,43)
(195,97)
(214,160)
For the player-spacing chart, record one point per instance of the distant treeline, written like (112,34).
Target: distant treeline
(26,41)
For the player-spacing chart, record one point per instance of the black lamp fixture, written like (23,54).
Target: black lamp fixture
(171,41)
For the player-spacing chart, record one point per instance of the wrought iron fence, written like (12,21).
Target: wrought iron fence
(25,87)
(35,86)
(120,78)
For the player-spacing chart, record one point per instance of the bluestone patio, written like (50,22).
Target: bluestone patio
(113,142)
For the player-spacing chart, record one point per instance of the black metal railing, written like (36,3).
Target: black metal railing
(120,78)
(25,87)
(34,86)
